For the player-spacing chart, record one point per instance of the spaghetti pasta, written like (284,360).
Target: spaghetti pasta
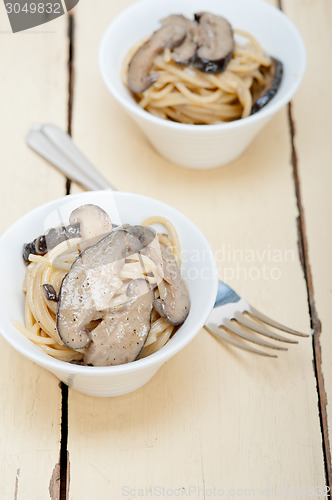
(51,268)
(184,94)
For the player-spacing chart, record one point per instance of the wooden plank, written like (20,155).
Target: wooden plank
(33,89)
(314,155)
(212,417)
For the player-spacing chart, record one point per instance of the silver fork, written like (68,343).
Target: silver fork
(232,319)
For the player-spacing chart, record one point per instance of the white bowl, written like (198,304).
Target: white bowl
(203,146)
(199,271)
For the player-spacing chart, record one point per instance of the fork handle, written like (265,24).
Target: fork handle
(225,295)
(57,147)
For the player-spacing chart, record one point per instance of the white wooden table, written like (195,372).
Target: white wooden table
(214,422)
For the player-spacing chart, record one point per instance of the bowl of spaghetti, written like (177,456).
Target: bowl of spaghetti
(45,313)
(194,112)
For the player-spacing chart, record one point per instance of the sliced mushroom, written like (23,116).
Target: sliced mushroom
(215,41)
(56,235)
(49,240)
(90,284)
(184,53)
(87,222)
(143,233)
(139,77)
(94,223)
(174,303)
(262,95)
(50,293)
(28,249)
(92,219)
(121,335)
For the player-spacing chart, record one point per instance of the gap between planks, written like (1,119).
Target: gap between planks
(64,454)
(314,318)
(71,55)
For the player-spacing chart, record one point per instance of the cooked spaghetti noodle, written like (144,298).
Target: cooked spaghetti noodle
(40,313)
(186,95)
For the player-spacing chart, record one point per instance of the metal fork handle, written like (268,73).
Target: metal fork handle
(57,147)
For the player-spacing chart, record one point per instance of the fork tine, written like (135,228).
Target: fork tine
(232,327)
(273,323)
(227,337)
(249,323)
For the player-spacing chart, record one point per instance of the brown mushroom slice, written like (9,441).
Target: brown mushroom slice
(144,233)
(174,303)
(50,293)
(139,77)
(121,335)
(90,284)
(184,53)
(215,41)
(87,222)
(273,76)
(94,223)
(49,240)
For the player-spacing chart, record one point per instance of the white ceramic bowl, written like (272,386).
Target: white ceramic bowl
(202,146)
(199,271)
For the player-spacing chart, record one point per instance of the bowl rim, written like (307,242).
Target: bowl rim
(264,113)
(155,359)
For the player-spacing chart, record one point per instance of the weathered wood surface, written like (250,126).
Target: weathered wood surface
(213,420)
(33,89)
(313,161)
